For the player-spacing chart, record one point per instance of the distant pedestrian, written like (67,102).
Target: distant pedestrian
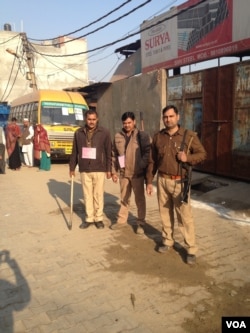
(13,133)
(42,148)
(2,150)
(27,143)
(92,153)
(174,151)
(130,156)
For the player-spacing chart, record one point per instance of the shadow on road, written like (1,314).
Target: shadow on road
(14,296)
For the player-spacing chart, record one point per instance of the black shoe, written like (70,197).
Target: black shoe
(84,225)
(99,225)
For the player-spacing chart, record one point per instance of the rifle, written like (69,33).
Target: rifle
(141,122)
(187,180)
(187,184)
(139,141)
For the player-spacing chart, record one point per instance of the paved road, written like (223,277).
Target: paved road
(53,279)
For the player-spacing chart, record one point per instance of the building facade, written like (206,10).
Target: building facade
(47,65)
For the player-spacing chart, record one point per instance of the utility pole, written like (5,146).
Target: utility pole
(30,61)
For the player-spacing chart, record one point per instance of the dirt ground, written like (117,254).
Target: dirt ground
(98,271)
(130,254)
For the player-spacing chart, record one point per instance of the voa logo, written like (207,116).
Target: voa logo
(235,324)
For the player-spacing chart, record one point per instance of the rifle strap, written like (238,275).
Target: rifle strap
(181,149)
(183,140)
(139,141)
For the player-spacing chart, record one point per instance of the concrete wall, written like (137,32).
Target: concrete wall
(51,72)
(143,93)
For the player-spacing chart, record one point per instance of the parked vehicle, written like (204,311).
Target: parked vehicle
(4,113)
(60,112)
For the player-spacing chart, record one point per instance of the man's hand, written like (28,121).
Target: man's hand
(72,174)
(115,178)
(182,156)
(149,189)
(108,175)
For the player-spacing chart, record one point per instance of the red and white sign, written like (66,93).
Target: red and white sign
(195,31)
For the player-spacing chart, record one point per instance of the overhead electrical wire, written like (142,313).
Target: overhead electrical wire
(14,81)
(106,45)
(113,21)
(102,27)
(104,16)
(134,29)
(110,70)
(123,38)
(7,85)
(8,40)
(88,25)
(105,25)
(62,70)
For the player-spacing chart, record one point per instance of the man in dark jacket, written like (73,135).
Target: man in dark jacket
(92,152)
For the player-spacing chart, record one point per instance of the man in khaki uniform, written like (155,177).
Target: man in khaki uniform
(130,156)
(174,150)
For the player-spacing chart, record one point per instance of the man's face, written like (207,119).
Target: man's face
(128,125)
(26,123)
(91,121)
(170,119)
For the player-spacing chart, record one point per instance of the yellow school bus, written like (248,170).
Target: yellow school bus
(60,112)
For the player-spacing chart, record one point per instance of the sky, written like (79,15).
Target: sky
(49,19)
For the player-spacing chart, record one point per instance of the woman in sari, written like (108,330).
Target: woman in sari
(13,133)
(42,148)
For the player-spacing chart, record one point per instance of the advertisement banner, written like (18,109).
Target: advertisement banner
(195,31)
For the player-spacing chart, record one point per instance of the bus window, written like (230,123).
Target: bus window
(21,113)
(33,112)
(58,115)
(18,114)
(25,111)
(28,113)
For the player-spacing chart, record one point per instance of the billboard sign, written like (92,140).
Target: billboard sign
(195,31)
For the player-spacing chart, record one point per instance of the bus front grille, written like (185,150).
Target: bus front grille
(61,137)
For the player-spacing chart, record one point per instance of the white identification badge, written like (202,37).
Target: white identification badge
(89,153)
(121,160)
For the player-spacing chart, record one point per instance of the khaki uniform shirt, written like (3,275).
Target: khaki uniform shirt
(165,148)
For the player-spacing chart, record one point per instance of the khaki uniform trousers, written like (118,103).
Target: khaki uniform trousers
(126,187)
(169,200)
(93,194)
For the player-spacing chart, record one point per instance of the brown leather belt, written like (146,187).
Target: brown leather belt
(163,175)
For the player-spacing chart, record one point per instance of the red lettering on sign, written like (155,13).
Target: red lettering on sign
(157,41)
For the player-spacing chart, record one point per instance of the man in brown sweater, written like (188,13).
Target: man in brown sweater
(174,150)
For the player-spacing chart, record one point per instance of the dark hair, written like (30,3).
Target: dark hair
(127,115)
(90,111)
(13,119)
(168,107)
